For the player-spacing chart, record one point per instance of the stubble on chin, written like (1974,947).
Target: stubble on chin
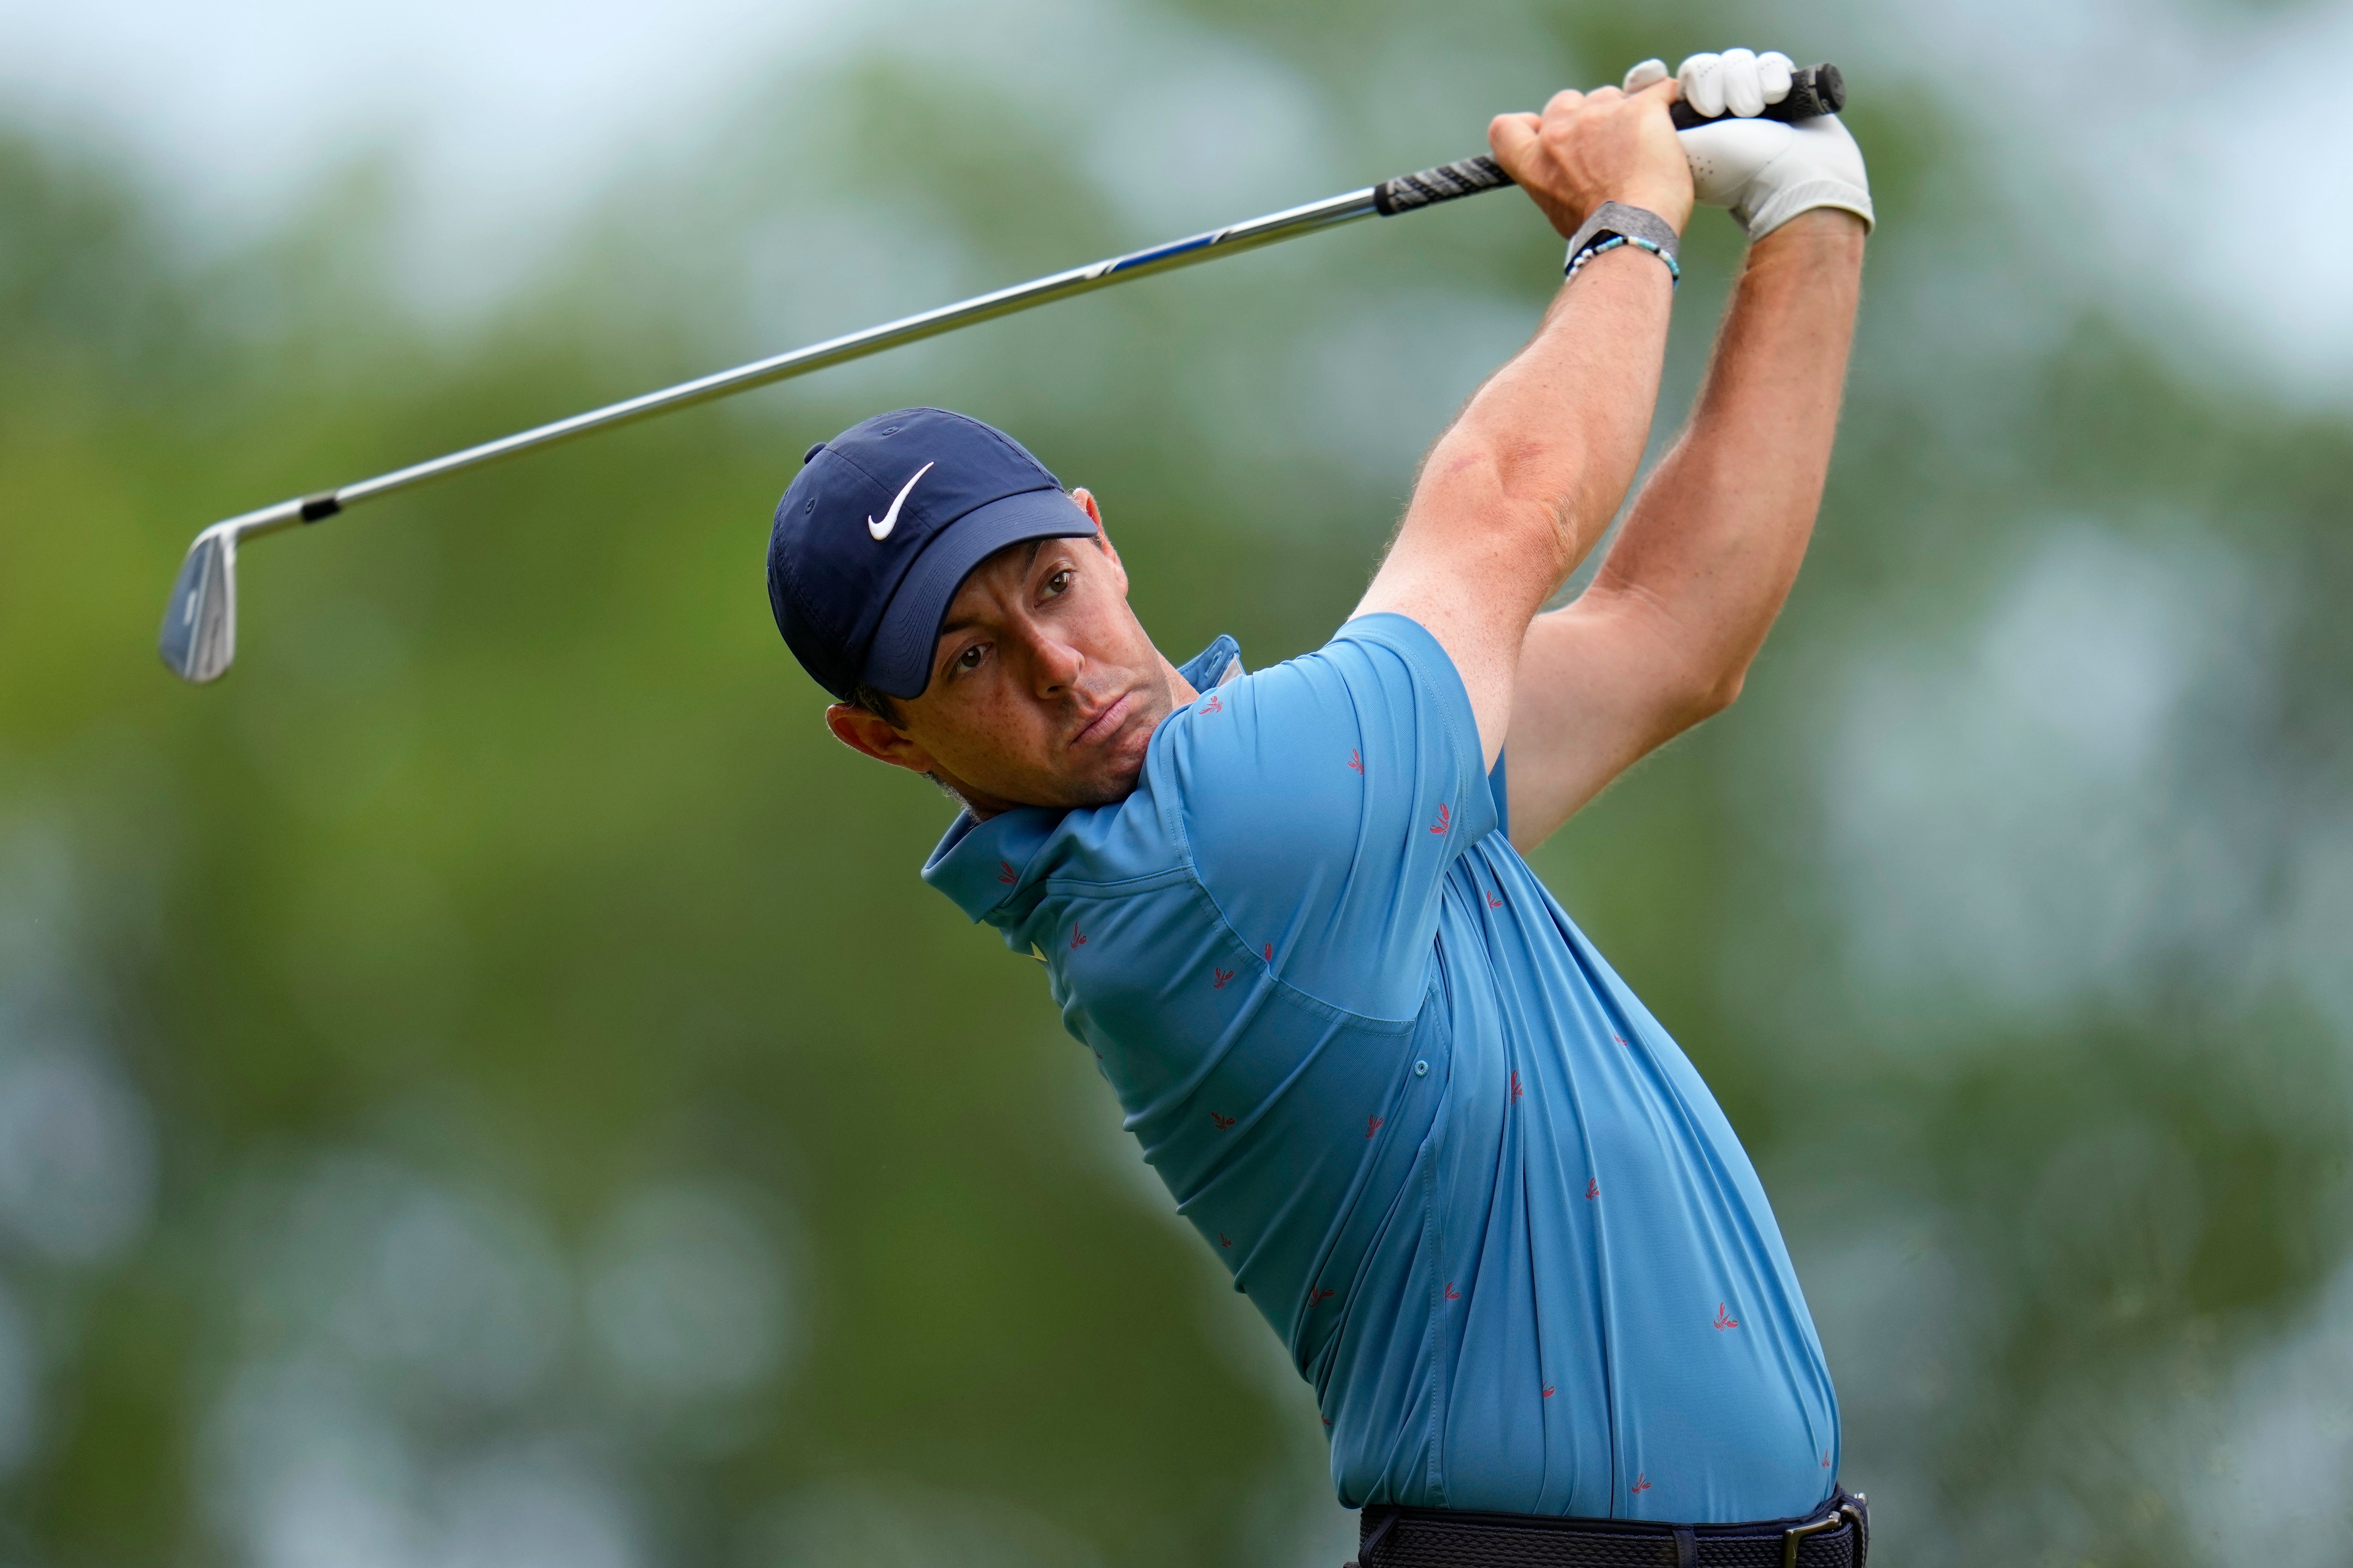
(1117,779)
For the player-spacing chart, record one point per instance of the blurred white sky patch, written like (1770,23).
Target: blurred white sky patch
(1905,1311)
(394,1404)
(2049,809)
(77,1154)
(77,1146)
(2183,154)
(687,1299)
(826,266)
(1379,379)
(542,1504)
(1212,133)
(512,113)
(309,1467)
(2320,932)
(2273,1475)
(77,1158)
(364,1263)
(304,1472)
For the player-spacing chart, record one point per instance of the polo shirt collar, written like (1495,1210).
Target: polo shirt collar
(980,865)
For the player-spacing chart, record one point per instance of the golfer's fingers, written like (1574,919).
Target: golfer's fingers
(1703,87)
(1513,139)
(1647,74)
(1774,71)
(1605,95)
(1664,88)
(1744,95)
(1564,101)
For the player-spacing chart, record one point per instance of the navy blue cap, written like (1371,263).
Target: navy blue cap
(881,528)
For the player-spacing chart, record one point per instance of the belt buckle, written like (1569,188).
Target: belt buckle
(1790,1537)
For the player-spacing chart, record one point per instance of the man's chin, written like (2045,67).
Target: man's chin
(1113,780)
(1112,784)
(1111,777)
(1112,773)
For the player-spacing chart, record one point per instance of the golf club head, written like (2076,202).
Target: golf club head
(199,636)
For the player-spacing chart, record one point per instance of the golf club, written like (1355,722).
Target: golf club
(200,633)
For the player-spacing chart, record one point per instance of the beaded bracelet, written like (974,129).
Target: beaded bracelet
(1613,242)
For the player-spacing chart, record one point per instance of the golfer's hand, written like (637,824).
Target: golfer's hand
(1588,148)
(1766,171)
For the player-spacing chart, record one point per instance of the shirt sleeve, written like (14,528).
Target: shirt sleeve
(1324,803)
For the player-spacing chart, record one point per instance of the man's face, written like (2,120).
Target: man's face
(1044,689)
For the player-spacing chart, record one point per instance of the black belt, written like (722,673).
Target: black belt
(1836,1535)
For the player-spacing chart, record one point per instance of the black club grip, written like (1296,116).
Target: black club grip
(1465,177)
(1813,91)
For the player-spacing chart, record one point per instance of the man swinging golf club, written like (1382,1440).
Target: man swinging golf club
(1493,1211)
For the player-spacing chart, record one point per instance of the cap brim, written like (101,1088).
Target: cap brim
(899,661)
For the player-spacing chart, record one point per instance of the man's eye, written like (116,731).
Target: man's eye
(1059,583)
(970,657)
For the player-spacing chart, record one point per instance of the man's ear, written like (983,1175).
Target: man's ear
(871,733)
(1088,504)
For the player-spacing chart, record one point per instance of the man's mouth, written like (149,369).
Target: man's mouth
(1105,723)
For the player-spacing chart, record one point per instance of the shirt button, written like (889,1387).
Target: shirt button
(1421,1069)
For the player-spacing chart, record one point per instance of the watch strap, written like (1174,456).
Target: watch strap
(1628,222)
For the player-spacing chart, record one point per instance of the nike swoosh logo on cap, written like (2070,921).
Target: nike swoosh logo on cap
(882,529)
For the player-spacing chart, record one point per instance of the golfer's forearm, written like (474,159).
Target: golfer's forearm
(1717,535)
(1516,493)
(1550,443)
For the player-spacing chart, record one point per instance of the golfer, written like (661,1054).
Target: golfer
(1486,1201)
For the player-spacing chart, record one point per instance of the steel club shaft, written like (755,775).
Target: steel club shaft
(200,633)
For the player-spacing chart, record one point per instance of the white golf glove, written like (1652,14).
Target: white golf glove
(1765,171)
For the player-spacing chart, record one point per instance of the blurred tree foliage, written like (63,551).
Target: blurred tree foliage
(513,864)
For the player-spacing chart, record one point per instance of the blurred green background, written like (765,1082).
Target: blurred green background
(483,1084)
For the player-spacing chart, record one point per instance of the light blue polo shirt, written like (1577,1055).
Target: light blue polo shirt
(1488,1204)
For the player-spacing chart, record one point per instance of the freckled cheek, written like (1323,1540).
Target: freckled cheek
(1011,732)
(1101,627)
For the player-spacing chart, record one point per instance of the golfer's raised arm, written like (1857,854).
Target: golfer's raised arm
(1664,636)
(1514,495)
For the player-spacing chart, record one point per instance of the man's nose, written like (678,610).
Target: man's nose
(1055,665)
